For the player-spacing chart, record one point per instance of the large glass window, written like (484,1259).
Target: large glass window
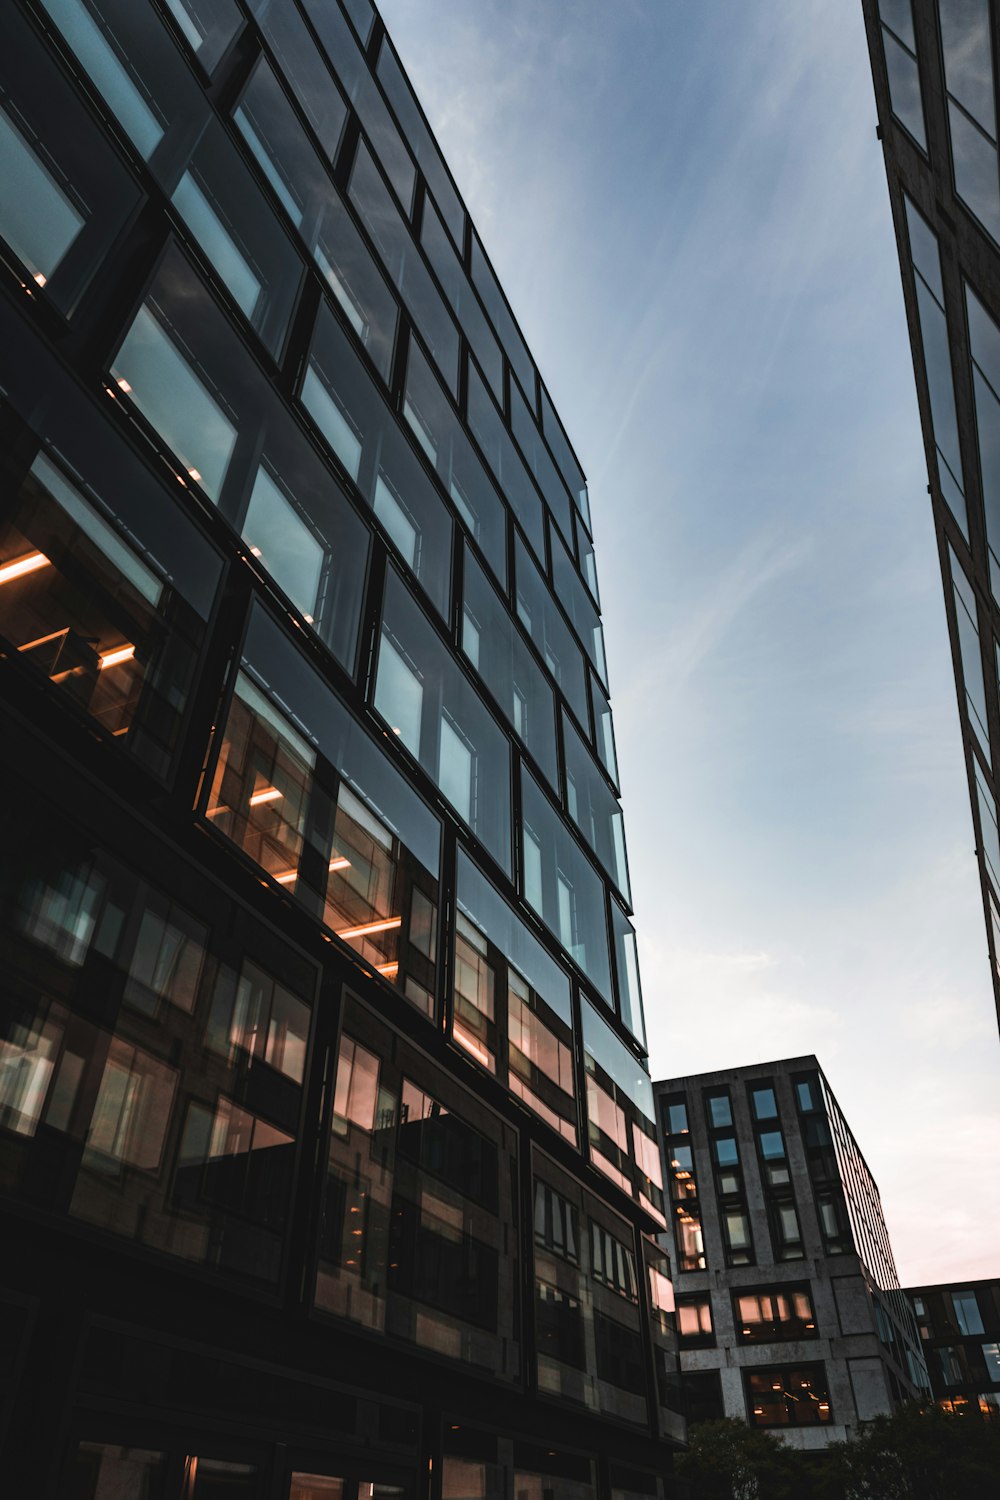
(537,611)
(304,69)
(426,700)
(66,195)
(486,426)
(627,973)
(421,142)
(208,29)
(937,361)
(457,288)
(401,258)
(972,121)
(290,164)
(604,732)
(621,1120)
(84,602)
(967,621)
(494,646)
(350,412)
(183,367)
(694,1321)
(766,1316)
(579,606)
(967,1314)
(351,67)
(302,789)
(436,426)
(569,468)
(984,342)
(594,808)
(562,886)
(417,1235)
(539,461)
(790,1397)
(496,305)
(508,989)
(899,47)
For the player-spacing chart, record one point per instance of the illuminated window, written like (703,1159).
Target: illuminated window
(788,1397)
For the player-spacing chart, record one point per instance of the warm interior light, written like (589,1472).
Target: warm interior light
(384,926)
(340,863)
(287,876)
(124,385)
(44,639)
(469,1042)
(195,475)
(269,794)
(255,552)
(308,619)
(112,658)
(27,564)
(388,970)
(41,278)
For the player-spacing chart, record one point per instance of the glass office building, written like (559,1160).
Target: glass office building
(327,1143)
(790,1315)
(960,1330)
(934,68)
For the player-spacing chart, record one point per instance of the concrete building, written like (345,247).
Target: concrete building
(328,1161)
(959,1328)
(934,68)
(789,1310)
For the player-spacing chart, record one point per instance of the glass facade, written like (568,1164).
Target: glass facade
(325,1014)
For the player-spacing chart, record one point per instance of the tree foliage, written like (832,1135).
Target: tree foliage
(918,1453)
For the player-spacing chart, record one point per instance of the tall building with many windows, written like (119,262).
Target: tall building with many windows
(327,1146)
(934,66)
(960,1330)
(789,1311)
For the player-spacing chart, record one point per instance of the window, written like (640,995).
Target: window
(370,872)
(604,732)
(537,611)
(134,1102)
(702,1393)
(403,264)
(91,601)
(594,808)
(694,1321)
(681,1161)
(255,1016)
(619,1094)
(724,1150)
(539,461)
(984,342)
(556,1223)
(899,47)
(458,290)
(967,48)
(967,1315)
(991,1357)
(562,886)
(579,606)
(104,1469)
(736,1236)
(719,1110)
(765,1106)
(967,621)
(767,1316)
(66,194)
(612,1262)
(497,447)
(569,468)
(304,70)
(690,1239)
(788,1397)
(933,321)
(493,644)
(675,1116)
(434,711)
(436,426)
(346,406)
(419,139)
(807,1095)
(496,305)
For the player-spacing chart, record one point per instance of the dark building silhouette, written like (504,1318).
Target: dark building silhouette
(789,1312)
(959,1325)
(327,1147)
(934,67)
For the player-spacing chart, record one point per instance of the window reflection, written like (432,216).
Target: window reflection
(967,49)
(103,1471)
(303,68)
(437,714)
(763,1317)
(594,808)
(904,76)
(538,613)
(85,607)
(208,27)
(328,818)
(562,886)
(539,461)
(796,1397)
(487,427)
(447,266)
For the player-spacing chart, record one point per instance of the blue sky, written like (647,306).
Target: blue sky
(686,204)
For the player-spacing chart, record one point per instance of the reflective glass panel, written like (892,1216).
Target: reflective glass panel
(208,27)
(487,427)
(604,730)
(402,261)
(496,305)
(975,162)
(798,1397)
(539,461)
(356,422)
(494,646)
(966,618)
(363,858)
(428,703)
(537,611)
(422,144)
(458,289)
(66,195)
(967,48)
(904,87)
(304,69)
(594,808)
(568,466)
(562,886)
(575,600)
(436,426)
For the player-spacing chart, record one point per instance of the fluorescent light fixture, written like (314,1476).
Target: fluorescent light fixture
(269,794)
(385,925)
(286,877)
(195,475)
(388,970)
(340,863)
(124,385)
(112,658)
(30,563)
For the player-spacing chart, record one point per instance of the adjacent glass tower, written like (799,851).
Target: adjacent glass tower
(934,64)
(327,1143)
